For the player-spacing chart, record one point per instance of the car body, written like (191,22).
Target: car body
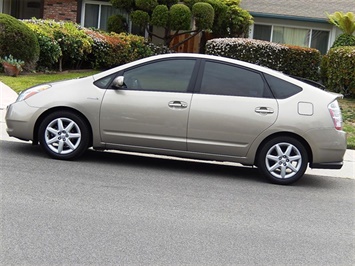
(188,105)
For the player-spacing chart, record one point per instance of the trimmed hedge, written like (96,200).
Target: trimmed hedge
(292,60)
(109,50)
(68,45)
(340,73)
(302,62)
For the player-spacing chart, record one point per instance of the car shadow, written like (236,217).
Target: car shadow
(173,164)
(203,169)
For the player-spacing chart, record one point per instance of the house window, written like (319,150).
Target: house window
(313,38)
(22,9)
(96,13)
(292,36)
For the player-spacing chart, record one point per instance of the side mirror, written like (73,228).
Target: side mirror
(118,82)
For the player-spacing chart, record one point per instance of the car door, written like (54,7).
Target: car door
(233,106)
(152,108)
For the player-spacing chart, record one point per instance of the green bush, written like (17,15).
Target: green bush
(160,16)
(146,5)
(340,70)
(74,43)
(18,40)
(180,17)
(204,15)
(140,18)
(302,62)
(136,47)
(117,23)
(298,61)
(109,50)
(344,40)
(75,46)
(50,50)
(253,51)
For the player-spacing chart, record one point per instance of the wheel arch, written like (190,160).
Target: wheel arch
(55,109)
(285,134)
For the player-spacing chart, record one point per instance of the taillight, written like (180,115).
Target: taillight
(335,113)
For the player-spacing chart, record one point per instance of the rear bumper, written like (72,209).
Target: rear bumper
(334,165)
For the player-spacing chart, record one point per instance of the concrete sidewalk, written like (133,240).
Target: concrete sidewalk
(8,96)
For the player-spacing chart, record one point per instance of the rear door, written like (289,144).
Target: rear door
(233,106)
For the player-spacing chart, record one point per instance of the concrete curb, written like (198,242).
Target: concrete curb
(8,96)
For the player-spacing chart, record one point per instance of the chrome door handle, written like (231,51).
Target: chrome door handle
(264,110)
(177,104)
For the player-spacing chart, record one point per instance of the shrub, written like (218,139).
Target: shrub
(180,17)
(109,50)
(204,15)
(341,70)
(74,44)
(160,16)
(117,23)
(18,40)
(302,62)
(106,50)
(298,61)
(136,47)
(253,51)
(159,49)
(344,40)
(50,50)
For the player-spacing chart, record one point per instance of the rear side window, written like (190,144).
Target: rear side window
(224,79)
(281,88)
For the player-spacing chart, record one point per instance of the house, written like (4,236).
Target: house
(88,13)
(297,22)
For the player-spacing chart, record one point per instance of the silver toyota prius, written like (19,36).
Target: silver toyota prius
(188,105)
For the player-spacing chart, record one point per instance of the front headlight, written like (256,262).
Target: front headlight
(32,91)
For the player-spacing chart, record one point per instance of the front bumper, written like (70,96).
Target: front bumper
(20,120)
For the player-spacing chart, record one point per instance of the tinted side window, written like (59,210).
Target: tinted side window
(281,88)
(169,76)
(104,82)
(223,79)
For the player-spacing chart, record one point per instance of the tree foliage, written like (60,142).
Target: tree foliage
(222,17)
(345,22)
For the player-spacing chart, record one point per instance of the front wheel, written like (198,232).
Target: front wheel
(283,160)
(64,135)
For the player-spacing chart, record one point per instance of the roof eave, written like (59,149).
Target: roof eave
(296,18)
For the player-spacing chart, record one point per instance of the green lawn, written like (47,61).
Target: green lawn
(25,81)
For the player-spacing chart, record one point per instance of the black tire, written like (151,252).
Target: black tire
(64,135)
(283,160)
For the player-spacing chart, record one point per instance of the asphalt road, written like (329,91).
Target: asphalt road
(115,209)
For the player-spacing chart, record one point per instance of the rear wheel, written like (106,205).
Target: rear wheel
(64,135)
(283,160)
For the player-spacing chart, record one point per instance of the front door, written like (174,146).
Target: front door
(152,109)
